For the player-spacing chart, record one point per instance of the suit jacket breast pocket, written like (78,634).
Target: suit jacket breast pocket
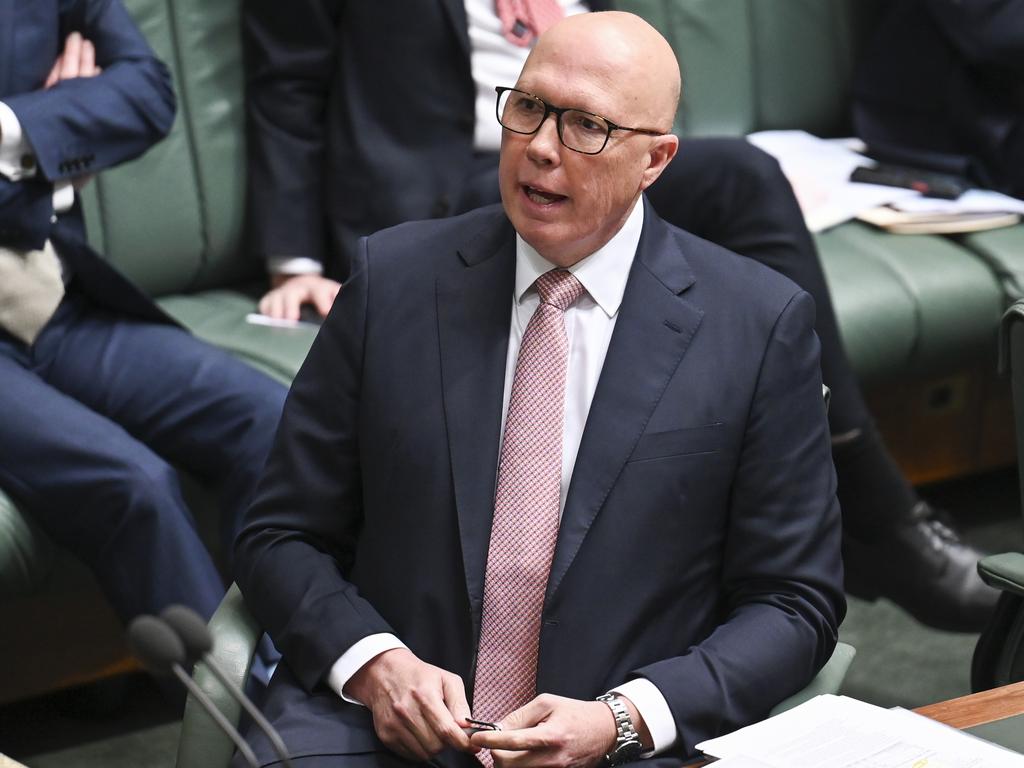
(680,442)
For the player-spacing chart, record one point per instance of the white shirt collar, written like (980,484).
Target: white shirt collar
(603,273)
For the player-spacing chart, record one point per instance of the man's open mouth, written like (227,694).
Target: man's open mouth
(542,197)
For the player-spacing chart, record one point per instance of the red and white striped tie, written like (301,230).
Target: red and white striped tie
(524,20)
(525,524)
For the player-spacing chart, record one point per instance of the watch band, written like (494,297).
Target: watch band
(627,742)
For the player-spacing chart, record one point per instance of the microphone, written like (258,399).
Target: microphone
(162,652)
(195,636)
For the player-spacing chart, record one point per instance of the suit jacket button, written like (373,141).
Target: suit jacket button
(28,162)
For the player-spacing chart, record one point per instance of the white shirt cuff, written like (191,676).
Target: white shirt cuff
(653,708)
(294,265)
(17,160)
(63,196)
(356,657)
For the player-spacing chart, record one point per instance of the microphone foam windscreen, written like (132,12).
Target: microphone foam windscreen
(155,644)
(190,628)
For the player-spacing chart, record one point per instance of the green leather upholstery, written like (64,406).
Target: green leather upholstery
(909,305)
(1004,571)
(999,654)
(750,65)
(828,680)
(235,634)
(26,555)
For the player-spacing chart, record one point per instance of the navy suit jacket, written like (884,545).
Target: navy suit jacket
(78,126)
(699,546)
(361,116)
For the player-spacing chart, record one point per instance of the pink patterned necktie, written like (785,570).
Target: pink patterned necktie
(524,20)
(525,523)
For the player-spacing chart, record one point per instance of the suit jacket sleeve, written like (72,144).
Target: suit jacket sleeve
(291,52)
(781,572)
(87,124)
(301,530)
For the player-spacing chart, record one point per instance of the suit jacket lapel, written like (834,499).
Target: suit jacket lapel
(474,310)
(653,330)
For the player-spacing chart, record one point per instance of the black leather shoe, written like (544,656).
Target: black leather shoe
(925,568)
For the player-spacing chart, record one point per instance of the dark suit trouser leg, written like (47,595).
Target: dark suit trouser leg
(730,192)
(94,415)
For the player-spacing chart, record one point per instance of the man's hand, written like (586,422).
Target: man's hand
(418,709)
(78,59)
(555,731)
(289,292)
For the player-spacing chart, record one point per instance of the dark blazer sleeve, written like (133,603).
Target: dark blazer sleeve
(290,51)
(87,124)
(300,534)
(781,573)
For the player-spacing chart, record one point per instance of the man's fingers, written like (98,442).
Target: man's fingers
(270,304)
(504,758)
(87,60)
(71,59)
(531,713)
(291,302)
(514,741)
(324,296)
(448,715)
(418,733)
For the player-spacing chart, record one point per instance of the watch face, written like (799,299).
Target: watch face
(625,753)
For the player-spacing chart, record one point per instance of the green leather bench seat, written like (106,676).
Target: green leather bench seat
(1003,251)
(219,318)
(909,305)
(26,555)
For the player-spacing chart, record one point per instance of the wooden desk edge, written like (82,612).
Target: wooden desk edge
(978,708)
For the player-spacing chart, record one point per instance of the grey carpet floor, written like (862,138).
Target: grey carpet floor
(899,662)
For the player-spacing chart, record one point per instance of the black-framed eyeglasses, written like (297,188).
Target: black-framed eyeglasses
(580,131)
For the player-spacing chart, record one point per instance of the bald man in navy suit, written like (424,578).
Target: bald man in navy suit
(696,577)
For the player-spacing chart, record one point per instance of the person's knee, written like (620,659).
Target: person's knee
(143,486)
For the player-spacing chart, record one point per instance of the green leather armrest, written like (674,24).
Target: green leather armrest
(1004,572)
(828,680)
(235,633)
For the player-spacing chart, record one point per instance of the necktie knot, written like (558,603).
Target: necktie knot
(559,288)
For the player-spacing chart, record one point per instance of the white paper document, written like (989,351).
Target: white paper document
(255,318)
(971,201)
(819,172)
(839,732)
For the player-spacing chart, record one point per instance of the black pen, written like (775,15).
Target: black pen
(475,726)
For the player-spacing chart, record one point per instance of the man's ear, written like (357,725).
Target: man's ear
(663,149)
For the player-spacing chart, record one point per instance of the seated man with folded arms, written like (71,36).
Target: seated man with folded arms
(553,463)
(100,391)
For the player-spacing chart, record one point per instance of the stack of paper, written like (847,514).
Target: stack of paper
(819,171)
(839,732)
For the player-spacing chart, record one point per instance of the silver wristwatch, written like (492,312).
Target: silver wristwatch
(627,744)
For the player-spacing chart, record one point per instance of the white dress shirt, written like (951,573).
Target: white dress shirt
(589,324)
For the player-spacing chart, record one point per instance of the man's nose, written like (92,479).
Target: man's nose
(545,145)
